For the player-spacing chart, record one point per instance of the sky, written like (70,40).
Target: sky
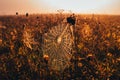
(51,6)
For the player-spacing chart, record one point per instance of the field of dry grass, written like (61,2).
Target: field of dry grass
(97,56)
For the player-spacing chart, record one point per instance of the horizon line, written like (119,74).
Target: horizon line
(5,14)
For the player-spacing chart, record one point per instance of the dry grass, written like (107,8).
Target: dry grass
(98,48)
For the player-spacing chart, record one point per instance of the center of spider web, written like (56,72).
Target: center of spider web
(59,39)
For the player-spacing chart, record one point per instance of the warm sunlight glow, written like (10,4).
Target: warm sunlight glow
(79,5)
(50,6)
